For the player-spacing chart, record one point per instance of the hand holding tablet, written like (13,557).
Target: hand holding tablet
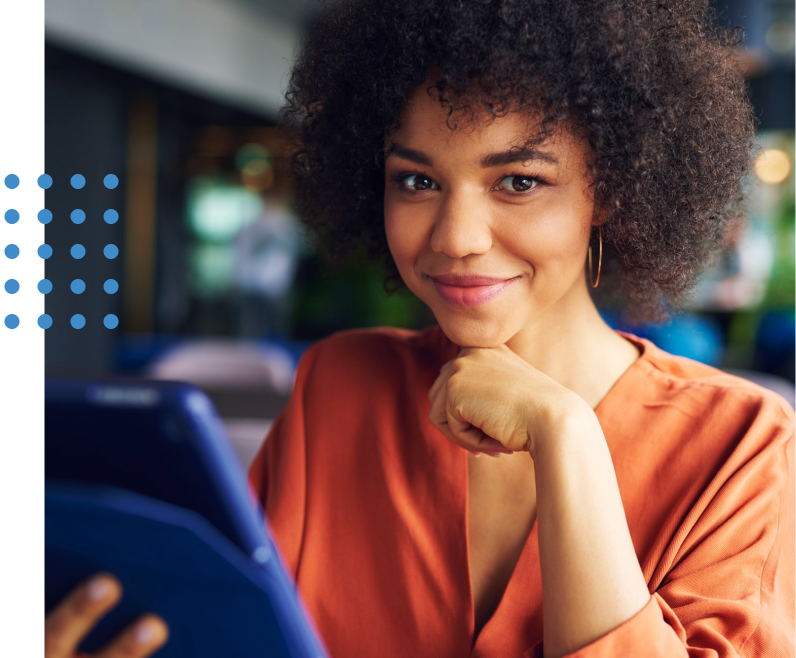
(141,483)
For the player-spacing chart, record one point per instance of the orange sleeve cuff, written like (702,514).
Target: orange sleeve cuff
(645,633)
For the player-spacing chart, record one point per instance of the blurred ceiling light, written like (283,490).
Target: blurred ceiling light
(259,182)
(772,166)
(780,37)
(256,167)
(252,155)
(255,164)
(217,212)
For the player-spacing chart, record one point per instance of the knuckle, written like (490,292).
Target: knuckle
(55,645)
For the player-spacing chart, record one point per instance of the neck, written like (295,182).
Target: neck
(572,344)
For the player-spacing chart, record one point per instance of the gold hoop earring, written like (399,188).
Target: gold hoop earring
(594,283)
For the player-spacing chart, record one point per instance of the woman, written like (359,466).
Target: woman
(510,160)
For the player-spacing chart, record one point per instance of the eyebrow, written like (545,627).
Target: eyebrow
(515,154)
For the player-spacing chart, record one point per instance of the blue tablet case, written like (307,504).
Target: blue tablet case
(217,599)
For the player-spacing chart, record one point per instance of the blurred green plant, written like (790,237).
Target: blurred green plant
(333,297)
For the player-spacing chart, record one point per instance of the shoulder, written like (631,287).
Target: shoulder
(717,403)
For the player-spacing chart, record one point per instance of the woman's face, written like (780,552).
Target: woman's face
(463,203)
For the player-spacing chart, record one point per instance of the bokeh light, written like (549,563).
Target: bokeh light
(772,166)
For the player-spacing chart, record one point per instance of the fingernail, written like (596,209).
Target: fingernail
(476,454)
(98,589)
(144,633)
(497,454)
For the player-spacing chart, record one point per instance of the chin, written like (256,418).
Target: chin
(472,332)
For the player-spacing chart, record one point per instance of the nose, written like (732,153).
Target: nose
(462,226)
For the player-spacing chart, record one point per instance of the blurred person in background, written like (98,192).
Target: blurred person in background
(266,259)
(514,163)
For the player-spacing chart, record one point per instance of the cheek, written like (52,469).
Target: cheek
(405,235)
(552,237)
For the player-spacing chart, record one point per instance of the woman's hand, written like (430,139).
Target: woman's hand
(492,400)
(74,617)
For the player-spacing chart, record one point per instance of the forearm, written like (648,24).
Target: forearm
(591,578)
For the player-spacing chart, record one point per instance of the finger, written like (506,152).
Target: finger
(140,639)
(488,444)
(444,372)
(436,413)
(78,613)
(472,437)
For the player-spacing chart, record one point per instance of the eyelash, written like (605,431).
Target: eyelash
(401,176)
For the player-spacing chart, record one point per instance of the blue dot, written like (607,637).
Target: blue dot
(110,286)
(77,251)
(78,216)
(45,182)
(12,321)
(111,321)
(12,286)
(45,216)
(78,321)
(12,216)
(45,321)
(45,251)
(78,286)
(111,216)
(78,181)
(45,286)
(12,182)
(110,181)
(12,251)
(111,251)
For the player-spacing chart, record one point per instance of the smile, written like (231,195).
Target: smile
(466,296)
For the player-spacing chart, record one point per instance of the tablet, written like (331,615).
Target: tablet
(161,439)
(141,481)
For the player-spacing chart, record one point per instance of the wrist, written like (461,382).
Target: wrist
(562,427)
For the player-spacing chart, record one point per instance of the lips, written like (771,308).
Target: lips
(469,279)
(469,290)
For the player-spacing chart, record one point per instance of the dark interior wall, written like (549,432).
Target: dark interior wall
(88,113)
(85,129)
(771,90)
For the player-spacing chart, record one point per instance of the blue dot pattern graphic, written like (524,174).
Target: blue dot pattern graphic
(12,216)
(111,321)
(111,216)
(45,182)
(12,286)
(45,251)
(111,251)
(110,181)
(78,321)
(110,286)
(77,251)
(78,216)
(78,286)
(45,216)
(11,251)
(12,182)
(45,286)
(78,181)
(45,321)
(12,321)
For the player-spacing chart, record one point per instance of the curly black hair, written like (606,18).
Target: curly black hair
(652,85)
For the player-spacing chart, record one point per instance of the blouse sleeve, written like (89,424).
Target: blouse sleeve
(277,475)
(730,590)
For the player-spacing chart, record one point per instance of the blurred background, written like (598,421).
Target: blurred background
(217,284)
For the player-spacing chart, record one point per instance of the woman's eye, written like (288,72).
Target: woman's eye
(517,183)
(419,182)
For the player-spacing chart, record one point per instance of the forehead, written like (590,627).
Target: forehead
(428,124)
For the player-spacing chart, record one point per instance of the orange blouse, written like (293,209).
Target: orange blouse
(368,503)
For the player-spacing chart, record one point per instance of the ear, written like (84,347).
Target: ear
(599,216)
